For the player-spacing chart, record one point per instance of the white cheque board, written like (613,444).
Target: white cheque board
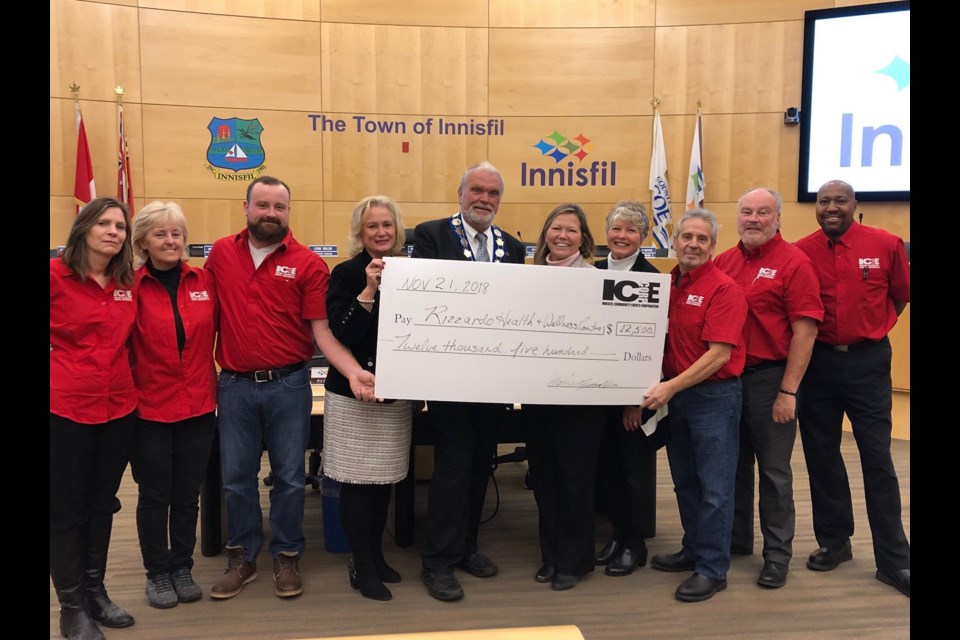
(485,332)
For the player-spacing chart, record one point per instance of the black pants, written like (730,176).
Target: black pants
(563,447)
(169,461)
(857,383)
(465,442)
(627,478)
(87,462)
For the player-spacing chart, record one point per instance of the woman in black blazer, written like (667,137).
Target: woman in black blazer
(366,446)
(628,462)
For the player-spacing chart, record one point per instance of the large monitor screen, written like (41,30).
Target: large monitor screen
(855,108)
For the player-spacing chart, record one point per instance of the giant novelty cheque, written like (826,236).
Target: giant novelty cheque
(511,333)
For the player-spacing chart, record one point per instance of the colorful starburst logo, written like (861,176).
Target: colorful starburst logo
(558,146)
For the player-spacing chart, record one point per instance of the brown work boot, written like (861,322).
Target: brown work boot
(286,574)
(239,572)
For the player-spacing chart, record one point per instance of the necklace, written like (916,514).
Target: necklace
(456,222)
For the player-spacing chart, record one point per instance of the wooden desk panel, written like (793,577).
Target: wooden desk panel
(567,632)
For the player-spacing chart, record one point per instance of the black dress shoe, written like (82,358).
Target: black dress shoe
(479,565)
(697,588)
(673,562)
(627,561)
(609,552)
(442,586)
(773,575)
(899,580)
(564,581)
(824,559)
(546,573)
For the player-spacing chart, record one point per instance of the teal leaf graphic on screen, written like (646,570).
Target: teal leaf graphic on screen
(899,70)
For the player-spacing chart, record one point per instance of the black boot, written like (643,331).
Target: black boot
(384,571)
(364,577)
(75,622)
(65,555)
(103,610)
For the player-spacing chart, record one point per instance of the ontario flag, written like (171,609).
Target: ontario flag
(695,179)
(124,187)
(83,188)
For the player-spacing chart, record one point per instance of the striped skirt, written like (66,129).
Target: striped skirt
(366,442)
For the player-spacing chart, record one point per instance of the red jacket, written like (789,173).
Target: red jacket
(170,386)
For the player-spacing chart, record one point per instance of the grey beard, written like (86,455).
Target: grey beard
(476,221)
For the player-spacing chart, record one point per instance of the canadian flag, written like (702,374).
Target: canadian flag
(83,188)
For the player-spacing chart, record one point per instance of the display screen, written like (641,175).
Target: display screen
(855,108)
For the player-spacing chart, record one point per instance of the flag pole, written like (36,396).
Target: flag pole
(124,187)
(660,214)
(696,182)
(83,185)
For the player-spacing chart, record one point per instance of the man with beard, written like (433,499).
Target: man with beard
(272,292)
(465,434)
(783,296)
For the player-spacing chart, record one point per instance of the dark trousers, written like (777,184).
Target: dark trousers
(563,446)
(627,478)
(857,383)
(770,444)
(465,442)
(363,516)
(87,462)
(169,461)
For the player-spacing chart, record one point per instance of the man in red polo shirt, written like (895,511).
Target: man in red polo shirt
(865,285)
(702,362)
(272,292)
(783,295)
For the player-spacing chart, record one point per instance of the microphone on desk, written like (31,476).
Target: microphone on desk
(520,236)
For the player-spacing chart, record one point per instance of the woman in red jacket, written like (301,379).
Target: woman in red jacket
(92,402)
(176,386)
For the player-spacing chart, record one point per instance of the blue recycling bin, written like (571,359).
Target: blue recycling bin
(334,539)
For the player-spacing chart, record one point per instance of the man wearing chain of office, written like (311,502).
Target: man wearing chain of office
(465,434)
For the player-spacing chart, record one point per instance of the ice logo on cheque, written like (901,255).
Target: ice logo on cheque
(629,293)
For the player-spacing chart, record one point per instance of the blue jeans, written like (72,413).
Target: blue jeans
(703,451)
(251,415)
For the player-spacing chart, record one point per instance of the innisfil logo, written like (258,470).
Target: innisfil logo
(235,146)
(561,149)
(122,295)
(869,263)
(200,296)
(696,301)
(558,147)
